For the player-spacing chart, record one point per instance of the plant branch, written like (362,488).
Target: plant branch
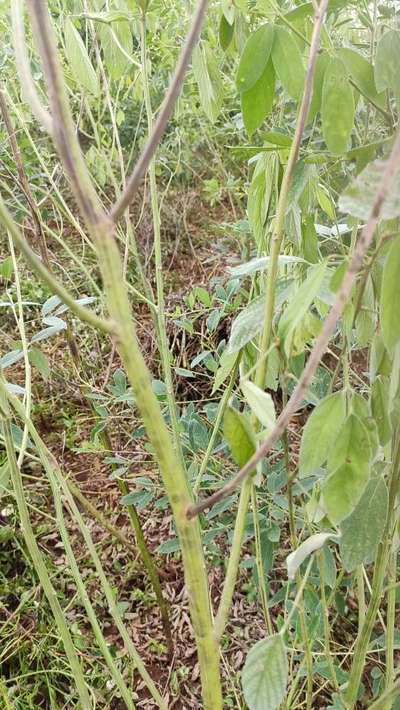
(388,178)
(163,116)
(23,67)
(84,314)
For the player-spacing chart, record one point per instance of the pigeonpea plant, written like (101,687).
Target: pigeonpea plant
(313,289)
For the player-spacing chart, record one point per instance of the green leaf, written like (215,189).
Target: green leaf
(247,324)
(342,490)
(337,108)
(254,57)
(257,102)
(169,546)
(363,529)
(319,74)
(260,402)
(300,303)
(387,62)
(362,72)
(361,408)
(208,80)
(226,32)
(226,365)
(288,62)
(239,435)
(6,268)
(380,408)
(390,296)
(320,432)
(117,45)
(264,676)
(261,263)
(78,60)
(359,196)
(5,475)
(351,445)
(312,544)
(39,360)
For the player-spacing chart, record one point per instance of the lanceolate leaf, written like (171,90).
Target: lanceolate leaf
(239,435)
(319,74)
(78,60)
(257,101)
(247,324)
(362,72)
(351,446)
(300,303)
(117,45)
(320,432)
(260,402)
(387,62)
(288,62)
(363,529)
(337,107)
(264,675)
(208,81)
(390,296)
(342,490)
(380,408)
(254,57)
(226,32)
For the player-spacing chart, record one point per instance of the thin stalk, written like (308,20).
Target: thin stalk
(380,569)
(386,699)
(91,614)
(259,559)
(38,562)
(223,403)
(48,278)
(155,210)
(327,628)
(360,597)
(279,227)
(52,470)
(97,515)
(233,562)
(150,566)
(24,183)
(173,474)
(391,622)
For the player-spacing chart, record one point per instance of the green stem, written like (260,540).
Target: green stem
(47,277)
(223,403)
(150,566)
(327,628)
(233,563)
(390,623)
(38,562)
(259,559)
(91,614)
(52,470)
(100,228)
(155,209)
(364,636)
(360,596)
